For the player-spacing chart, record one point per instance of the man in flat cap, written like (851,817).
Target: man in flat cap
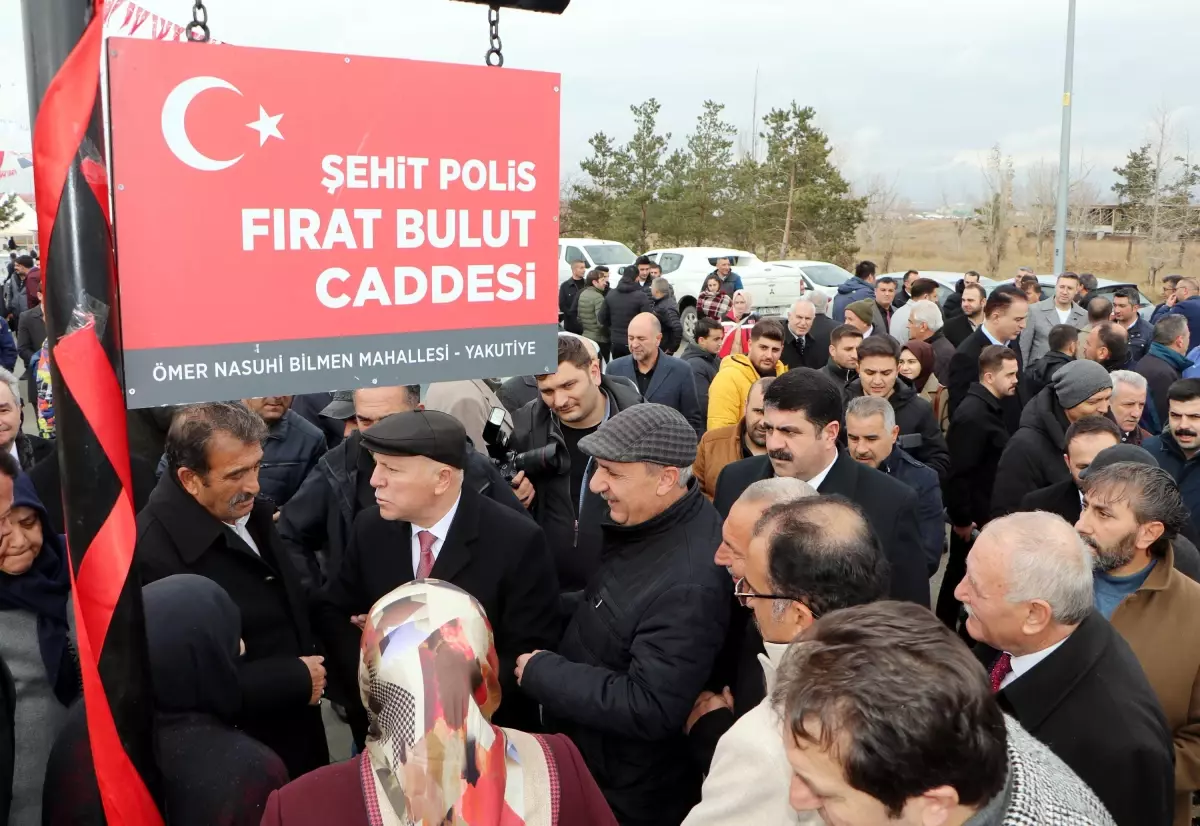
(428,524)
(644,638)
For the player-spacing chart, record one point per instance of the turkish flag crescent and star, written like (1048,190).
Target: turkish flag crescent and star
(291,222)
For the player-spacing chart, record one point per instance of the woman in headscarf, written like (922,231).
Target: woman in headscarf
(916,364)
(213,774)
(738,322)
(35,642)
(428,678)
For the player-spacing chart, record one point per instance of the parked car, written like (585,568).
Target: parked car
(946,281)
(774,288)
(595,251)
(821,276)
(1107,288)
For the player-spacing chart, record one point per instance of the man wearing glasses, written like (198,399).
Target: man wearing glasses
(807,558)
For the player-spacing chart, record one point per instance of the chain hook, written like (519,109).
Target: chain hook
(197,31)
(494,57)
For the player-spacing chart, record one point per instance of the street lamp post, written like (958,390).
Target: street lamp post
(1064,152)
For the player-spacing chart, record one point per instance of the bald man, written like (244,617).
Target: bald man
(806,335)
(660,378)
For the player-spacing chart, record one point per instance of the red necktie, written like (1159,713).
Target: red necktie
(1001,669)
(426,565)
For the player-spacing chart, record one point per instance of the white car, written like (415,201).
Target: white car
(946,282)
(1105,288)
(821,276)
(595,252)
(774,288)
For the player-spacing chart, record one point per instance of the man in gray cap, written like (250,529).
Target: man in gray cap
(1032,459)
(644,638)
(428,524)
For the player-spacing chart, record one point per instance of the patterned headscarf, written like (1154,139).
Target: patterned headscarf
(428,676)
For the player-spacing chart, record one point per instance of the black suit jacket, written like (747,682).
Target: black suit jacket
(890,506)
(495,555)
(964,370)
(1091,704)
(816,345)
(957,329)
(1061,498)
(177,536)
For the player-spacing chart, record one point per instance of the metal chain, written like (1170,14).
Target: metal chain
(494,57)
(197,31)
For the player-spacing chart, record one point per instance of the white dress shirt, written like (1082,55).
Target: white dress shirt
(820,477)
(239,528)
(440,530)
(1023,663)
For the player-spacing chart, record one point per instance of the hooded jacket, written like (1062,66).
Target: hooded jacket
(621,304)
(920,434)
(704,369)
(851,290)
(575,543)
(728,392)
(1033,457)
(1039,374)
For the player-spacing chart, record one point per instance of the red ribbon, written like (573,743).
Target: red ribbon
(62,121)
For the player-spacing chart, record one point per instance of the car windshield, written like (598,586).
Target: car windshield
(611,255)
(827,275)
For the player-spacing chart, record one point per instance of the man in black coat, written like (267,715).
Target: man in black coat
(806,336)
(953,307)
(429,524)
(703,356)
(976,438)
(1004,313)
(660,378)
(1033,457)
(644,639)
(316,523)
(1162,366)
(31,335)
(204,518)
(1062,671)
(621,305)
(803,416)
(1064,342)
(568,298)
(667,312)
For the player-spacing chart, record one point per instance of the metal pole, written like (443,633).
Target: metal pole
(77,260)
(1064,152)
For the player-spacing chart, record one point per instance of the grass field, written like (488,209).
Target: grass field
(933,245)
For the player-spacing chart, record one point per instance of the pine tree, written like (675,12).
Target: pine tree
(709,174)
(643,161)
(1135,192)
(594,208)
(9,211)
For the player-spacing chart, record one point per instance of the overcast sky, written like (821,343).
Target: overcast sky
(915,90)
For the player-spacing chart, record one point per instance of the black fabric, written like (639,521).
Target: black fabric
(672,328)
(1160,375)
(943,354)
(309,406)
(704,369)
(493,554)
(315,525)
(576,553)
(840,376)
(1091,704)
(635,656)
(622,303)
(177,536)
(964,371)
(1141,333)
(1033,457)
(516,392)
(1038,375)
(47,480)
(1169,455)
(890,507)
(1061,498)
(814,350)
(43,591)
(952,308)
(738,669)
(957,329)
(32,449)
(292,449)
(930,514)
(920,433)
(976,438)
(8,738)
(670,383)
(643,379)
(568,304)
(571,436)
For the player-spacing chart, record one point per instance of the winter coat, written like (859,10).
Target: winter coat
(704,369)
(920,433)
(1141,333)
(635,656)
(964,371)
(730,284)
(568,294)
(471,401)
(728,391)
(621,304)
(930,518)
(16,296)
(718,448)
(575,543)
(840,376)
(1039,374)
(713,305)
(668,319)
(1189,309)
(976,439)
(957,329)
(1161,367)
(1185,471)
(851,290)
(938,397)
(1033,457)
(943,354)
(591,300)
(8,348)
(813,351)
(671,384)
(953,306)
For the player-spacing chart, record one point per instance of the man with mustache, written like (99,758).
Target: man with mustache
(1132,514)
(733,442)
(1177,449)
(205,517)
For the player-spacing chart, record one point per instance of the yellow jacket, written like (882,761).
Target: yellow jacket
(729,389)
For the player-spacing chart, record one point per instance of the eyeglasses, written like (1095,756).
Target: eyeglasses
(743,592)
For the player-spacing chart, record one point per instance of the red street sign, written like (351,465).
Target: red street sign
(291,222)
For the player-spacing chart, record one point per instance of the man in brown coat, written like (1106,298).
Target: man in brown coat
(734,442)
(1131,515)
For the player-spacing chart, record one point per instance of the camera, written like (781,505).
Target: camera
(541,461)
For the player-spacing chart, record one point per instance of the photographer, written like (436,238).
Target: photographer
(574,401)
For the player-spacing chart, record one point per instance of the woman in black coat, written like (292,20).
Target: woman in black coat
(621,304)
(213,774)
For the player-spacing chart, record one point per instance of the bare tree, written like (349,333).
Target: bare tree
(1039,200)
(1163,217)
(884,217)
(993,216)
(961,219)
(1082,195)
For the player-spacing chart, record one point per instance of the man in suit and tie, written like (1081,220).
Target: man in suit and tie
(427,524)
(803,410)
(1061,670)
(660,378)
(1004,319)
(806,336)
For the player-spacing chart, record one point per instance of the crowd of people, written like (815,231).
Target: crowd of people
(894,560)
